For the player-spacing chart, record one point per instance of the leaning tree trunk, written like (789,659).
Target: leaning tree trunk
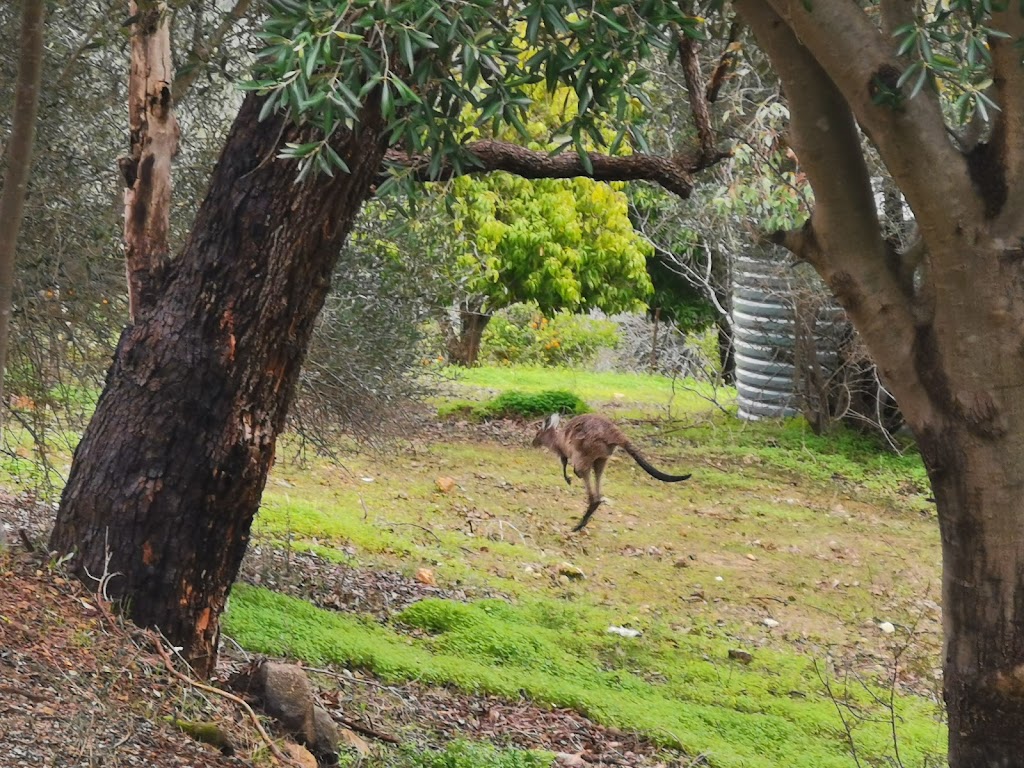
(170,470)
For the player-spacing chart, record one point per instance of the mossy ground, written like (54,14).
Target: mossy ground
(828,537)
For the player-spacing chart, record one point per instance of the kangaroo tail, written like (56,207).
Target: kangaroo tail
(650,470)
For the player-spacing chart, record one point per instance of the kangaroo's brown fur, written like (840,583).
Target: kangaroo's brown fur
(588,441)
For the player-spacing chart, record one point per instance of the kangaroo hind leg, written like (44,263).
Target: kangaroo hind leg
(593,499)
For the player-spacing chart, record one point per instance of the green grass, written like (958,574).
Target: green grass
(678,690)
(636,393)
(828,535)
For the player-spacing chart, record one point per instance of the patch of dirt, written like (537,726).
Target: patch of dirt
(75,692)
(435,715)
(343,587)
(79,690)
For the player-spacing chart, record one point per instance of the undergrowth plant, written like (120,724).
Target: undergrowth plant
(522,334)
(518,405)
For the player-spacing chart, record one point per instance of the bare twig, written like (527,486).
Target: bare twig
(15,691)
(365,730)
(415,525)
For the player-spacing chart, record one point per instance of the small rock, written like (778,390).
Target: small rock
(887,627)
(751,557)
(571,571)
(426,576)
(770,623)
(569,760)
(300,755)
(357,742)
(681,562)
(445,484)
(624,631)
(743,657)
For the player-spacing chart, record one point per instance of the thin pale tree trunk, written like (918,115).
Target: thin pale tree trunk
(19,165)
(153,134)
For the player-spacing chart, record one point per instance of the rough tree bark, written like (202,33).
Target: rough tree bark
(19,164)
(946,330)
(170,470)
(153,137)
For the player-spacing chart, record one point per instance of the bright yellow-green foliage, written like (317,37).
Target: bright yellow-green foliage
(566,244)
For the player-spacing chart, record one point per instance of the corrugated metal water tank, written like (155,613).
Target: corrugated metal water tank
(768,289)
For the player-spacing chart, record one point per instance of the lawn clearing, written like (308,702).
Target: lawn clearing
(801,550)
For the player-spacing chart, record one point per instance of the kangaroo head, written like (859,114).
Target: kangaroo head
(545,433)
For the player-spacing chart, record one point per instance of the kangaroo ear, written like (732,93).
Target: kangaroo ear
(552,421)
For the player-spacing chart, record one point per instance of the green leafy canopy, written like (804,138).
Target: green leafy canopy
(424,61)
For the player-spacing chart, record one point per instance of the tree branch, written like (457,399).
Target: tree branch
(726,63)
(1008,86)
(202,51)
(896,13)
(674,174)
(843,239)
(90,35)
(696,90)
(910,134)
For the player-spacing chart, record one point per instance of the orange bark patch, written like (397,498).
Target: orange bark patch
(203,621)
(147,554)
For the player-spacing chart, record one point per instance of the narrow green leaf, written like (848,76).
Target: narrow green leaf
(919,84)
(406,44)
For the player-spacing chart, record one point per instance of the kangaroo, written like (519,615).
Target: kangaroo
(588,441)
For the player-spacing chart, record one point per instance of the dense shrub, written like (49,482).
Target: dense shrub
(519,405)
(523,334)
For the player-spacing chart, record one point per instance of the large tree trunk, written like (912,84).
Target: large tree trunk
(170,470)
(942,318)
(977,481)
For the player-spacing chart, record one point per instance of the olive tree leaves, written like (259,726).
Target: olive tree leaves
(439,70)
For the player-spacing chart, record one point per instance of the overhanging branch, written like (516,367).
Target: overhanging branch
(674,174)
(696,91)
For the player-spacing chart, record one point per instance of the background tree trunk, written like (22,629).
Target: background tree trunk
(464,347)
(170,470)
(19,162)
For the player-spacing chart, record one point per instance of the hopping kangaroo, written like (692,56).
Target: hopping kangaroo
(588,441)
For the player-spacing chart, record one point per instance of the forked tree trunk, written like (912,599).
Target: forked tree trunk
(170,470)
